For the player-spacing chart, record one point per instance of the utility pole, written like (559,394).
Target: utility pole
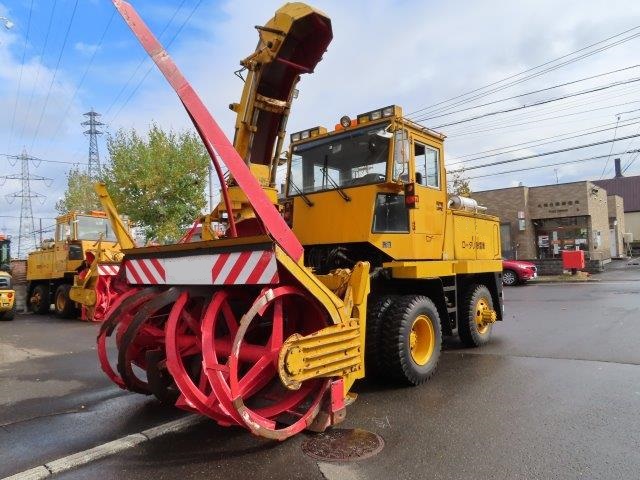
(27,231)
(94,157)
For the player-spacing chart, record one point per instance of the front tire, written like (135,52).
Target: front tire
(473,329)
(376,310)
(411,340)
(39,300)
(509,278)
(65,308)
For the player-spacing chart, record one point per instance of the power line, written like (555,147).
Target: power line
(631,162)
(502,162)
(55,72)
(597,99)
(611,149)
(84,75)
(24,55)
(566,162)
(35,82)
(501,150)
(631,37)
(41,159)
(539,144)
(537,104)
(144,58)
(528,93)
(133,92)
(499,127)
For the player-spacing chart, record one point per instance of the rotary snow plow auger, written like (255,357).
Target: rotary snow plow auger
(236,328)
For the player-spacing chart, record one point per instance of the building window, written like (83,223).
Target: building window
(564,203)
(577,202)
(570,202)
(546,204)
(557,204)
(556,234)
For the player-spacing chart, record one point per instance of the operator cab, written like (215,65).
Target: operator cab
(371,183)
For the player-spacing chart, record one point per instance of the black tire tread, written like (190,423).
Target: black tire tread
(467,329)
(376,310)
(69,310)
(44,307)
(395,365)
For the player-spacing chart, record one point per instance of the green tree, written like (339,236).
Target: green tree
(158,181)
(460,184)
(79,194)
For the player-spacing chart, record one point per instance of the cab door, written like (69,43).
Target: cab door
(431,190)
(61,249)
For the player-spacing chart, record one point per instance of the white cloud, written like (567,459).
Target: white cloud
(87,49)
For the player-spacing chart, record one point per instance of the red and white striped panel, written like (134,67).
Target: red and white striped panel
(145,271)
(237,268)
(108,269)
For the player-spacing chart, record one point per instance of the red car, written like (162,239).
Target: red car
(517,271)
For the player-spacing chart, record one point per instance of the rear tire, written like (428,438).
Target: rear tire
(64,306)
(471,330)
(376,310)
(39,300)
(8,315)
(509,278)
(411,340)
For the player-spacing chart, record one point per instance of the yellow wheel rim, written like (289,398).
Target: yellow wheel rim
(422,340)
(482,306)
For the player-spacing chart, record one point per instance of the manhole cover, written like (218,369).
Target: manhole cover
(343,445)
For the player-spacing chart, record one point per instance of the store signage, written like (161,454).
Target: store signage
(543,240)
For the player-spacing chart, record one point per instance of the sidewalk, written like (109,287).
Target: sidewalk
(565,278)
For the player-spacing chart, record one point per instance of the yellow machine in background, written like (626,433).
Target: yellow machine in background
(80,239)
(7,293)
(92,286)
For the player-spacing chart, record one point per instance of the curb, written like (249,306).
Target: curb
(84,457)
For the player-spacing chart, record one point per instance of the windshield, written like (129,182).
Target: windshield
(94,228)
(352,158)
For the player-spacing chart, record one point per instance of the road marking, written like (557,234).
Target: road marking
(83,457)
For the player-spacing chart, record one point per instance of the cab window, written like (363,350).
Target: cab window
(64,231)
(427,165)
(401,156)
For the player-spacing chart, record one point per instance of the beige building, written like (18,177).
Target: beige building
(540,222)
(629,189)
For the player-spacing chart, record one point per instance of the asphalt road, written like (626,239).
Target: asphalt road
(555,395)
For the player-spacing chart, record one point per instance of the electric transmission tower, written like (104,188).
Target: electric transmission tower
(27,232)
(94,157)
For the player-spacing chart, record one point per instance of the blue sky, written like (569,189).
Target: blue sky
(410,52)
